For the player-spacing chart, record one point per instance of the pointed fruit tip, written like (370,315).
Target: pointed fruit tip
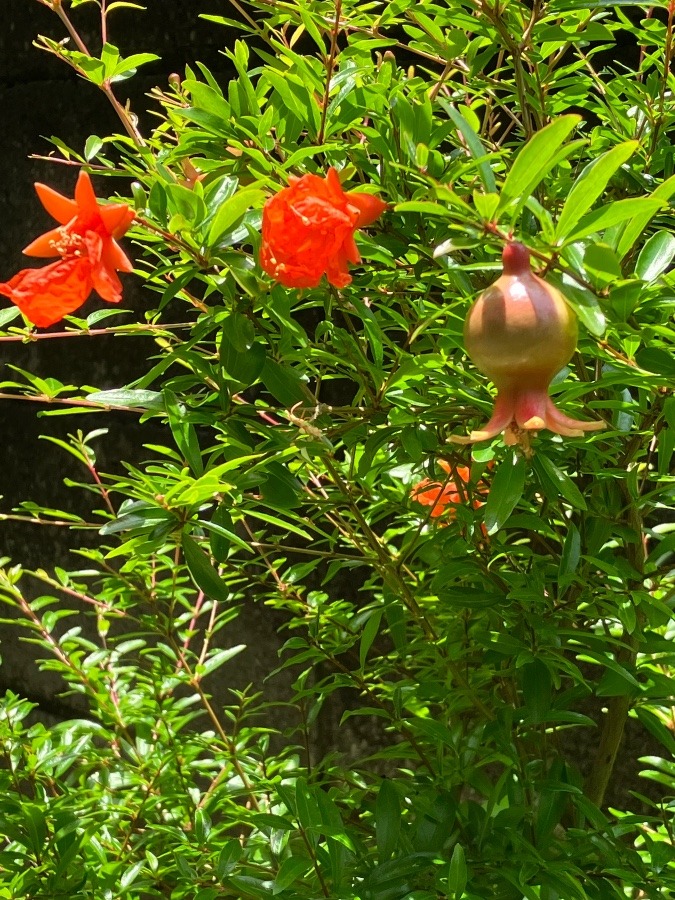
(515,259)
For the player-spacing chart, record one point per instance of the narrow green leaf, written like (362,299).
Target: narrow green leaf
(506,491)
(655,257)
(204,575)
(457,873)
(283,383)
(8,315)
(536,159)
(657,360)
(583,301)
(473,142)
(428,207)
(569,560)
(309,815)
(556,483)
(634,228)
(131,64)
(486,204)
(130,875)
(184,433)
(536,691)
(290,870)
(222,534)
(128,397)
(612,214)
(232,210)
(590,185)
(369,634)
(218,659)
(387,820)
(280,489)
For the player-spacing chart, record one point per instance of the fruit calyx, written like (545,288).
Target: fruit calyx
(521,332)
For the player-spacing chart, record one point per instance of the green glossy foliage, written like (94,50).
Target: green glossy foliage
(484,654)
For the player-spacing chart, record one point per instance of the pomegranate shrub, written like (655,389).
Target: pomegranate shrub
(382,609)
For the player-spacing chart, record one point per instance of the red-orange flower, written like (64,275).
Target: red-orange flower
(308,230)
(445,497)
(90,256)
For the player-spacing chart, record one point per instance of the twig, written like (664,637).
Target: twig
(330,64)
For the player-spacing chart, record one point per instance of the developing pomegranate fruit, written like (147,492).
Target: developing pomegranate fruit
(520,332)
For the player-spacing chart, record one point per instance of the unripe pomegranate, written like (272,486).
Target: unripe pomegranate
(520,332)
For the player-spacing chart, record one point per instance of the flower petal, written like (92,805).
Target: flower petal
(503,414)
(308,231)
(59,207)
(557,421)
(84,194)
(45,244)
(369,207)
(48,294)
(116,218)
(115,258)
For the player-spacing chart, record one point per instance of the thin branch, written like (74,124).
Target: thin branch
(330,65)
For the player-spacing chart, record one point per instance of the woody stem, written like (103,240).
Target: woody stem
(330,65)
(123,114)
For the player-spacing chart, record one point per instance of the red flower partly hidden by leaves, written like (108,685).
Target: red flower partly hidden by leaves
(308,230)
(90,256)
(445,497)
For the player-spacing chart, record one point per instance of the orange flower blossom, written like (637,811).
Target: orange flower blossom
(90,255)
(308,230)
(445,497)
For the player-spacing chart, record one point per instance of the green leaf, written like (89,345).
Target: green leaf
(656,256)
(583,301)
(570,557)
(129,65)
(486,204)
(369,634)
(457,873)
(428,207)
(535,160)
(590,185)
(231,210)
(283,383)
(92,147)
(280,489)
(184,433)
(635,227)
(536,680)
(473,142)
(617,682)
(556,483)
(387,820)
(654,359)
(229,857)
(8,315)
(506,490)
(240,357)
(612,214)
(222,533)
(204,575)
(219,658)
(126,398)
(289,871)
